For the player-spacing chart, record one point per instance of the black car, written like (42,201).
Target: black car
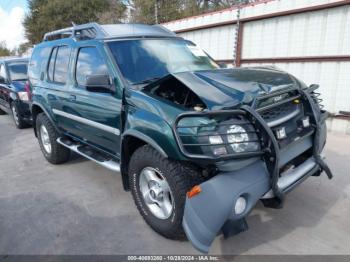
(14,90)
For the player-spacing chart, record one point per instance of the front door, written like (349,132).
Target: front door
(96,113)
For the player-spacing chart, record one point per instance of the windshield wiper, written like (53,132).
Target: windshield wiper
(146,81)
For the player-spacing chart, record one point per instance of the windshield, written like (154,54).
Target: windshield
(18,71)
(149,59)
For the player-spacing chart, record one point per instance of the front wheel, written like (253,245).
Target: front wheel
(159,188)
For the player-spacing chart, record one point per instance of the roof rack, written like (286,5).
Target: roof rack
(81,32)
(109,31)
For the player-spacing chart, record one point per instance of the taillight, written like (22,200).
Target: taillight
(27,89)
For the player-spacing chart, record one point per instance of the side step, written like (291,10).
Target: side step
(91,154)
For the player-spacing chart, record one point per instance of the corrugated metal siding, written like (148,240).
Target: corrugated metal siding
(218,42)
(309,34)
(271,6)
(318,33)
(333,78)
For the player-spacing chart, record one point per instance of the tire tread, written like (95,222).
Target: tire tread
(59,154)
(184,177)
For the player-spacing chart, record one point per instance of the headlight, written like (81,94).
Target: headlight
(217,135)
(23,96)
(217,150)
(237,135)
(233,139)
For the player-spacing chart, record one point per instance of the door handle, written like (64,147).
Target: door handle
(72,98)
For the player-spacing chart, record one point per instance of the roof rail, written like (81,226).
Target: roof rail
(79,32)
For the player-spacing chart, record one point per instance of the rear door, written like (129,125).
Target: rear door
(57,83)
(96,115)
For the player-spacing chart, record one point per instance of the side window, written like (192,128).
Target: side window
(58,65)
(89,62)
(52,64)
(3,71)
(62,64)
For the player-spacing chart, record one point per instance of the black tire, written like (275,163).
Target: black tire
(2,112)
(17,119)
(59,154)
(180,177)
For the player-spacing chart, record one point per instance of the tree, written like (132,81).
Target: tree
(153,11)
(23,48)
(4,51)
(49,15)
(114,14)
(145,11)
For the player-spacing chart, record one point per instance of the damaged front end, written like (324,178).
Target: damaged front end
(261,152)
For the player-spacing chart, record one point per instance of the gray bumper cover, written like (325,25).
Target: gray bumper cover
(206,213)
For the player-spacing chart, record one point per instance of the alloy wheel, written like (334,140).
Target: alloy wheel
(156,193)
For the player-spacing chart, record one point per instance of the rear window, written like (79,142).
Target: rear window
(18,71)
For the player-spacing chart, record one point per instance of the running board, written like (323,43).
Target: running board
(90,153)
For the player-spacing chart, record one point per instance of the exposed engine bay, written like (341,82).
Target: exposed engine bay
(176,92)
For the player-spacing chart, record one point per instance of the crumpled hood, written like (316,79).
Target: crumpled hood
(225,88)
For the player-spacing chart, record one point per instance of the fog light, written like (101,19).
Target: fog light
(214,140)
(306,122)
(281,133)
(219,151)
(240,205)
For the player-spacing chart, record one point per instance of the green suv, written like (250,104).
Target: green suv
(197,145)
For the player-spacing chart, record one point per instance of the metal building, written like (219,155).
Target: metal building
(308,38)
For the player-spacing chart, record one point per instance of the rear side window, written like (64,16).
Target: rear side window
(58,65)
(52,64)
(89,62)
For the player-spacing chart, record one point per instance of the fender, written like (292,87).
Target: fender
(124,160)
(150,129)
(154,129)
(146,139)
(13,96)
(46,113)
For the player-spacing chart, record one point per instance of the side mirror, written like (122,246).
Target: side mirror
(313,87)
(99,84)
(222,65)
(2,80)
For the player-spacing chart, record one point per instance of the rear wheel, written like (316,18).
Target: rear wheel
(47,136)
(19,122)
(2,112)
(159,188)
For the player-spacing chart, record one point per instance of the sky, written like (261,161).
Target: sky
(12,13)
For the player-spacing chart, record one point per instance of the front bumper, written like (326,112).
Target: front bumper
(212,211)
